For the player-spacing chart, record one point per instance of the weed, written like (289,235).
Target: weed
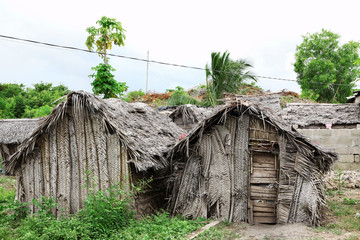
(179,97)
(339,180)
(134,96)
(349,201)
(218,232)
(353,237)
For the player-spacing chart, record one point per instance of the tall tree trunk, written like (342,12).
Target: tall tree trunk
(105,58)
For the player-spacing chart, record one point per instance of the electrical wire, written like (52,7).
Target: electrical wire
(157,62)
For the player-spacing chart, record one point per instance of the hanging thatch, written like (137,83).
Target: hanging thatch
(13,132)
(307,114)
(86,137)
(242,164)
(188,116)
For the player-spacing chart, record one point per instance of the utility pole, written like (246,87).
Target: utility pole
(147,72)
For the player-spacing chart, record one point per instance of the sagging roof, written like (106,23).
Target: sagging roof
(147,134)
(305,114)
(303,144)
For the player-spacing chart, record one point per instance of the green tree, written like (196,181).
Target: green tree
(110,32)
(224,74)
(326,71)
(18,102)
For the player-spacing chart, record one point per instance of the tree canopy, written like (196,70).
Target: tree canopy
(109,32)
(326,70)
(16,101)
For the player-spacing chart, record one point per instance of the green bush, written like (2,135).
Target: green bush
(106,211)
(106,215)
(134,96)
(179,97)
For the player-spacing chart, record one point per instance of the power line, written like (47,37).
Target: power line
(153,61)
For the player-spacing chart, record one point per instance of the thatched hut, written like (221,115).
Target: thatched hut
(13,132)
(86,137)
(241,164)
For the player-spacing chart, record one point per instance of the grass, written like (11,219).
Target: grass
(341,214)
(221,231)
(7,188)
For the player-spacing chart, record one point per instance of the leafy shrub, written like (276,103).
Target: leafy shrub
(106,211)
(134,96)
(179,97)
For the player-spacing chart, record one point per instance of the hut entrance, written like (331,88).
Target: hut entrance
(264,173)
(263,188)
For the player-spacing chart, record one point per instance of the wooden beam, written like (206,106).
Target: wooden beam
(200,230)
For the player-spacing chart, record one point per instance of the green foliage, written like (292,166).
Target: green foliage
(134,96)
(349,201)
(345,214)
(106,211)
(109,32)
(159,226)
(18,102)
(104,82)
(179,97)
(322,64)
(37,112)
(339,180)
(106,215)
(216,76)
(225,74)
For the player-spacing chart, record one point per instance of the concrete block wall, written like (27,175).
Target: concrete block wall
(346,142)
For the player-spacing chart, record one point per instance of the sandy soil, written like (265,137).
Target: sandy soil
(351,186)
(289,231)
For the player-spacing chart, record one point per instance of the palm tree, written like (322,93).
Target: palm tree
(216,75)
(238,74)
(225,74)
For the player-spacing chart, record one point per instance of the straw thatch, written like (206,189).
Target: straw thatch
(111,139)
(306,114)
(13,132)
(213,170)
(188,116)
(269,102)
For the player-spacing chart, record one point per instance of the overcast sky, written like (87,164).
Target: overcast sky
(265,33)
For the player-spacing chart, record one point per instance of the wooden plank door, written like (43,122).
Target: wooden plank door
(263,187)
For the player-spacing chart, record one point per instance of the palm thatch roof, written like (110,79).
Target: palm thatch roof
(15,131)
(187,116)
(146,134)
(270,102)
(305,114)
(191,112)
(324,157)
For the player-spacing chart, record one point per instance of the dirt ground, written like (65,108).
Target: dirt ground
(289,231)
(351,189)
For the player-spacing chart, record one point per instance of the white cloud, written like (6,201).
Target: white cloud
(183,32)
